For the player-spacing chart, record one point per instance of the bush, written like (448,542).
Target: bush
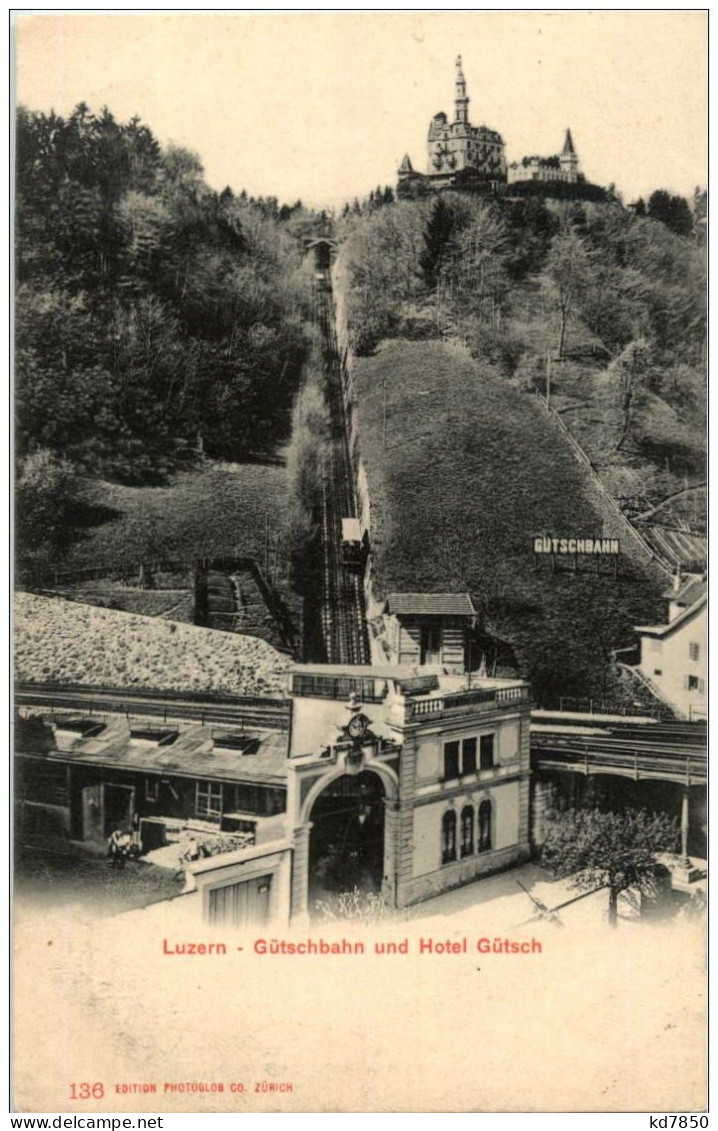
(503,348)
(357,906)
(46,491)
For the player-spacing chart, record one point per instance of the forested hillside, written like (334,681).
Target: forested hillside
(149,308)
(153,315)
(614,299)
(461,312)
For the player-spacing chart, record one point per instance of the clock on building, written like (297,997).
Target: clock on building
(357,725)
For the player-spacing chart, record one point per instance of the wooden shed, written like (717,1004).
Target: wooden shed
(431,628)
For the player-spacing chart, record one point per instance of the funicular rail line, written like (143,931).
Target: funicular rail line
(343,614)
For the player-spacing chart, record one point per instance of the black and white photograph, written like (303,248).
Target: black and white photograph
(359,391)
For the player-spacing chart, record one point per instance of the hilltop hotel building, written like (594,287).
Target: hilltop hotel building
(462,155)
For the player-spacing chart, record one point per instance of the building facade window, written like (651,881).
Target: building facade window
(468,756)
(486,751)
(208,799)
(451,760)
(485,826)
(694,651)
(152,789)
(693,683)
(448,837)
(467,830)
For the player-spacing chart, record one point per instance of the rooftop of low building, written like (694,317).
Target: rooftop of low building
(198,751)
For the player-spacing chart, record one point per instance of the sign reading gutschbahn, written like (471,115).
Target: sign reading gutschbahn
(577,554)
(606,546)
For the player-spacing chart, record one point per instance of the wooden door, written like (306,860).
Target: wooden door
(241,904)
(431,644)
(92,814)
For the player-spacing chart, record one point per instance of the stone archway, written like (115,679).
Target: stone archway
(384,794)
(347,838)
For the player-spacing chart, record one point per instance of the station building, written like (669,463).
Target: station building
(389,779)
(425,776)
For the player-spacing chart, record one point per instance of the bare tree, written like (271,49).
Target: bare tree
(565,278)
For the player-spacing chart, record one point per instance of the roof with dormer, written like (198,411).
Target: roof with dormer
(195,751)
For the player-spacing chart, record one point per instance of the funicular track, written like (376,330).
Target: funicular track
(342,606)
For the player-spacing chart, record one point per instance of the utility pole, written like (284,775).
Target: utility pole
(266,545)
(548,379)
(384,411)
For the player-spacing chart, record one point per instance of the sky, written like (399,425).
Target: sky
(322,106)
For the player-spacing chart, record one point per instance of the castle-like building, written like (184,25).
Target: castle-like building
(464,156)
(561,168)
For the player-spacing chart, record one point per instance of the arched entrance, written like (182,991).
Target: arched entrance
(346,844)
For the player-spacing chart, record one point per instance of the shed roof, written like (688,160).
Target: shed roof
(430,604)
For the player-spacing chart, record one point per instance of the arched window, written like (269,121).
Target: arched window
(448,837)
(485,826)
(467,830)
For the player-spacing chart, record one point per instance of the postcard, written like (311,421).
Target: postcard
(360,563)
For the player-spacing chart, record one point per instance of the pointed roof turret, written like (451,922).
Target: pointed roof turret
(406,165)
(461,102)
(568,146)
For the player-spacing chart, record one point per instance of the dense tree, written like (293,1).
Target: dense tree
(530,229)
(440,228)
(46,491)
(480,271)
(148,306)
(612,850)
(673,211)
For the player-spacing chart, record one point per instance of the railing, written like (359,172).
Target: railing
(466,702)
(210,698)
(425,707)
(686,767)
(511,694)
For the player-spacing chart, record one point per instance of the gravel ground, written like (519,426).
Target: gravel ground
(61,641)
(56,880)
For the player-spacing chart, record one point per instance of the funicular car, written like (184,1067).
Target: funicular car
(353,544)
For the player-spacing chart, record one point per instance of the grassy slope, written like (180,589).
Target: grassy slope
(472,471)
(217,509)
